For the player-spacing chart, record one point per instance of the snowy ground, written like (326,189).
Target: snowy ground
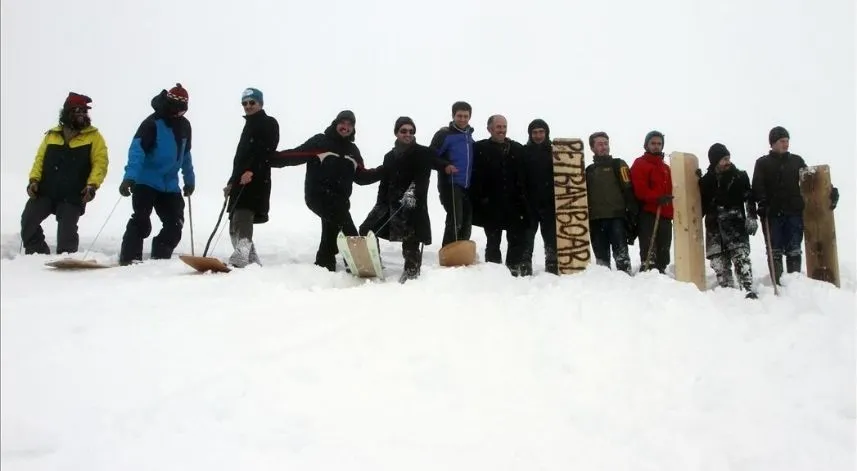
(288,366)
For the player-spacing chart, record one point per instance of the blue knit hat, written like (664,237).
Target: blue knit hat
(252,94)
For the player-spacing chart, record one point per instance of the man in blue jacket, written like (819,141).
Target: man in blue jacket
(160,148)
(454,144)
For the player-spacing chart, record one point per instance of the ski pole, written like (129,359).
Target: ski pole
(190,217)
(219,218)
(650,253)
(770,256)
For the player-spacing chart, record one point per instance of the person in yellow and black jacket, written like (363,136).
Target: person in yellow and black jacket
(70,165)
(161,148)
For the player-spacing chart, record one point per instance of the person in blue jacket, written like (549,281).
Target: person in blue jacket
(160,148)
(454,144)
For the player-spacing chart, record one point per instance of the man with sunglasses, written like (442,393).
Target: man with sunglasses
(70,165)
(159,150)
(401,213)
(249,186)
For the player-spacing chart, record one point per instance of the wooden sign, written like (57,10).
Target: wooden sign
(572,208)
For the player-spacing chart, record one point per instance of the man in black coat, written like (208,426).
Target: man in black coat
(401,210)
(776,189)
(498,190)
(249,186)
(724,192)
(334,164)
(540,195)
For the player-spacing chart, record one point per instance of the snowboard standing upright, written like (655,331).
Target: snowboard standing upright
(571,203)
(819,228)
(688,240)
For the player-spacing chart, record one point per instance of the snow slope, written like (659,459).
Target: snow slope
(288,366)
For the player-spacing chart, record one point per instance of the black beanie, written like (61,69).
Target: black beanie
(716,152)
(776,134)
(403,120)
(539,123)
(345,115)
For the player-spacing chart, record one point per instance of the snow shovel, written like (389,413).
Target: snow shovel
(204,263)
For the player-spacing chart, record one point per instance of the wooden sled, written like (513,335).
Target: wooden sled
(361,255)
(204,264)
(460,253)
(74,264)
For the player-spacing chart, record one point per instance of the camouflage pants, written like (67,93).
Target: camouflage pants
(726,244)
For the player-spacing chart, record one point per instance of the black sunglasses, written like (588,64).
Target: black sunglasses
(248,103)
(407,131)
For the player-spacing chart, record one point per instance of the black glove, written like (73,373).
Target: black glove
(33,188)
(88,193)
(751,225)
(834,198)
(188,190)
(698,173)
(762,209)
(664,200)
(127,187)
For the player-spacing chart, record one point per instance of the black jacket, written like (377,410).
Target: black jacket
(399,171)
(776,183)
(329,179)
(727,191)
(539,177)
(259,140)
(498,187)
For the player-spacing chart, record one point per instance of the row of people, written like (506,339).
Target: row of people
(495,183)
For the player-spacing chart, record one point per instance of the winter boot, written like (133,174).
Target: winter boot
(751,295)
(793,263)
(411,272)
(240,258)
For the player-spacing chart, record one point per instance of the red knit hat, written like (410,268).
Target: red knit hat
(76,100)
(178,93)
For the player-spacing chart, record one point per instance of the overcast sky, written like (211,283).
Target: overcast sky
(699,71)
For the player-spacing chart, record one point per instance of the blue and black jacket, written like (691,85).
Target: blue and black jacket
(456,146)
(160,148)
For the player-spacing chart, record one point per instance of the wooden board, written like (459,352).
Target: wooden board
(819,227)
(204,264)
(688,240)
(460,253)
(75,264)
(572,208)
